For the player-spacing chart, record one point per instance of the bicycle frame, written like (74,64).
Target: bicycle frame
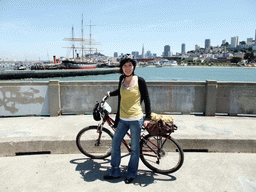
(110,121)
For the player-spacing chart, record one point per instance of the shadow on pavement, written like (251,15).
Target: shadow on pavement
(92,170)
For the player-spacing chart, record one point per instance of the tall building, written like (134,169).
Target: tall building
(167,51)
(115,54)
(183,48)
(249,41)
(197,47)
(135,54)
(207,44)
(143,53)
(234,41)
(255,38)
(224,42)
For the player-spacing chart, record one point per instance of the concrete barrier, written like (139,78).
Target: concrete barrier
(77,97)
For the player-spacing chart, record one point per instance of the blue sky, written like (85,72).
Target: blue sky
(33,29)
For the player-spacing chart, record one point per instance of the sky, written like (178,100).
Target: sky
(35,29)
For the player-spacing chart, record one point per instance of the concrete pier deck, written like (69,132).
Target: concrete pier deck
(214,170)
(56,135)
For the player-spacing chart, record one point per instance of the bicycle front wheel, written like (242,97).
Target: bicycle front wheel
(94,145)
(161,154)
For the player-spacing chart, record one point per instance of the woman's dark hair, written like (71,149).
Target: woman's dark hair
(126,58)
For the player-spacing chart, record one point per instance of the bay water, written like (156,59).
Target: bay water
(230,74)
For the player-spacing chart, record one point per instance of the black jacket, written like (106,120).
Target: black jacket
(143,97)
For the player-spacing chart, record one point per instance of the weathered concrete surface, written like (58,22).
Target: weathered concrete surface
(77,97)
(58,134)
(200,172)
(74,172)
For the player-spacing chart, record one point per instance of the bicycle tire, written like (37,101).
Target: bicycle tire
(169,157)
(87,142)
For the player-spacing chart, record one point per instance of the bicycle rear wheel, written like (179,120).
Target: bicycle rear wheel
(89,144)
(161,154)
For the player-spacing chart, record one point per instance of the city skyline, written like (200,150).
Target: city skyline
(33,30)
(234,42)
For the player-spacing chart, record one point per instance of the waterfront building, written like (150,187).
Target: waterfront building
(135,54)
(239,54)
(234,41)
(183,48)
(207,45)
(115,54)
(224,42)
(255,38)
(167,51)
(249,41)
(149,54)
(197,47)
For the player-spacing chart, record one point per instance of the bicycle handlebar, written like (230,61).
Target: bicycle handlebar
(103,101)
(104,98)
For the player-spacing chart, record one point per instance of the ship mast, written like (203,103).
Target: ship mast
(83,41)
(82,37)
(73,40)
(90,40)
(73,45)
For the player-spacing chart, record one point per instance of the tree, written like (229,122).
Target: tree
(249,56)
(236,60)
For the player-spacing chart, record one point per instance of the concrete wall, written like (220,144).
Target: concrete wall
(78,97)
(24,98)
(236,98)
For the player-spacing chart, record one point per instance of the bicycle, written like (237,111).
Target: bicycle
(161,154)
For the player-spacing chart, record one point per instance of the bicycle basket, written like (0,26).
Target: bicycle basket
(160,128)
(96,112)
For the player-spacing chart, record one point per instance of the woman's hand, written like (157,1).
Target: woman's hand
(108,94)
(145,123)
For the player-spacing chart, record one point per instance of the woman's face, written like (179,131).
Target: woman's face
(128,68)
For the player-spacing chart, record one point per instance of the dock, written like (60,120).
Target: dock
(8,75)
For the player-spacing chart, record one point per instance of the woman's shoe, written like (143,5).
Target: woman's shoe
(128,180)
(109,177)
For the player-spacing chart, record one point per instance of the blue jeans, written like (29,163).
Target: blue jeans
(121,130)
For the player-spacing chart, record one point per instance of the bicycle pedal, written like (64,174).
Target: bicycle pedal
(96,143)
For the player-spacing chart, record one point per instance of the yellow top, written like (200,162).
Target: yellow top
(130,107)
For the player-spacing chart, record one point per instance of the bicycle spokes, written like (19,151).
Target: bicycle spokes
(161,154)
(93,144)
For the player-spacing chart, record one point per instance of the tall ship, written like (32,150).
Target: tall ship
(83,61)
(69,64)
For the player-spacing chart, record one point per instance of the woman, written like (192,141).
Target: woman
(131,92)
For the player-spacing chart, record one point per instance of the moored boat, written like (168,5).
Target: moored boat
(78,65)
(81,62)
(168,63)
